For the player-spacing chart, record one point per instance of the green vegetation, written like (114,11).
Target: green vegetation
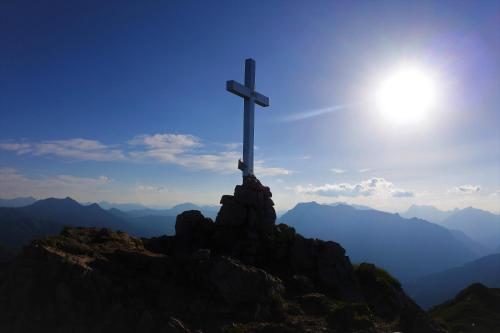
(474,309)
(365,270)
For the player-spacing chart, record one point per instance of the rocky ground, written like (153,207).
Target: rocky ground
(241,273)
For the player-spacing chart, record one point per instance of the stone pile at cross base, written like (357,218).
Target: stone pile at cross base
(241,273)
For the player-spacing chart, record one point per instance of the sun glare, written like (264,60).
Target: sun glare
(407,96)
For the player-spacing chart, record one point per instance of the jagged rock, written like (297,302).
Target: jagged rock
(192,231)
(301,283)
(188,221)
(242,273)
(176,326)
(251,206)
(386,299)
(242,284)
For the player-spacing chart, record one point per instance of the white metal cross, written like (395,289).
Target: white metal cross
(250,97)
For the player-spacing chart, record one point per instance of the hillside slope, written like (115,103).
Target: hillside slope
(436,288)
(408,248)
(18,226)
(241,274)
(475,309)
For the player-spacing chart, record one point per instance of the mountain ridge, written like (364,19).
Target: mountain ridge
(369,236)
(438,287)
(474,309)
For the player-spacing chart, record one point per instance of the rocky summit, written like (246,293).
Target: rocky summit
(241,273)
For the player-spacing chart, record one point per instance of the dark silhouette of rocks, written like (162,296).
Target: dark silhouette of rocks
(241,273)
(251,206)
(474,309)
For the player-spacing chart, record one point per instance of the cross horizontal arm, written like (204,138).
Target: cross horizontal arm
(261,99)
(245,92)
(238,89)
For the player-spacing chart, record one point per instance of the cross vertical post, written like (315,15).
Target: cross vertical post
(249,118)
(251,97)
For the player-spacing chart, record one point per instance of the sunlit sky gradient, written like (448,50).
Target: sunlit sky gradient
(126,102)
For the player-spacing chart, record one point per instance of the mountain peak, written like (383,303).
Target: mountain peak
(474,309)
(68,201)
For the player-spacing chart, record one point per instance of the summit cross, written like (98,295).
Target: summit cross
(251,97)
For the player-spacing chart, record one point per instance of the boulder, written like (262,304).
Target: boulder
(242,284)
(192,232)
(251,206)
(190,221)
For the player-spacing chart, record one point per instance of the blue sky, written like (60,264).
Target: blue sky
(126,102)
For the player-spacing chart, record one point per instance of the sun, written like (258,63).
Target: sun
(407,96)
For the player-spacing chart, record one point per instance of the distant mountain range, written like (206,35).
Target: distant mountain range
(436,288)
(359,207)
(428,213)
(17,202)
(20,225)
(367,234)
(476,309)
(208,211)
(121,206)
(132,209)
(479,225)
(407,248)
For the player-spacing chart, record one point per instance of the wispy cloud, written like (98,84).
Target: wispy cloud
(183,150)
(335,170)
(304,157)
(370,187)
(315,112)
(364,170)
(16,184)
(402,194)
(232,145)
(163,147)
(150,188)
(77,148)
(262,170)
(19,148)
(466,189)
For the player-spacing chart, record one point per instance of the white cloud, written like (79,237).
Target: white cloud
(262,170)
(172,142)
(223,162)
(179,149)
(466,189)
(232,145)
(370,187)
(77,148)
(364,170)
(150,188)
(15,184)
(495,193)
(337,170)
(19,148)
(402,194)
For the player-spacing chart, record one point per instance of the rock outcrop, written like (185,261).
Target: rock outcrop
(241,273)
(251,206)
